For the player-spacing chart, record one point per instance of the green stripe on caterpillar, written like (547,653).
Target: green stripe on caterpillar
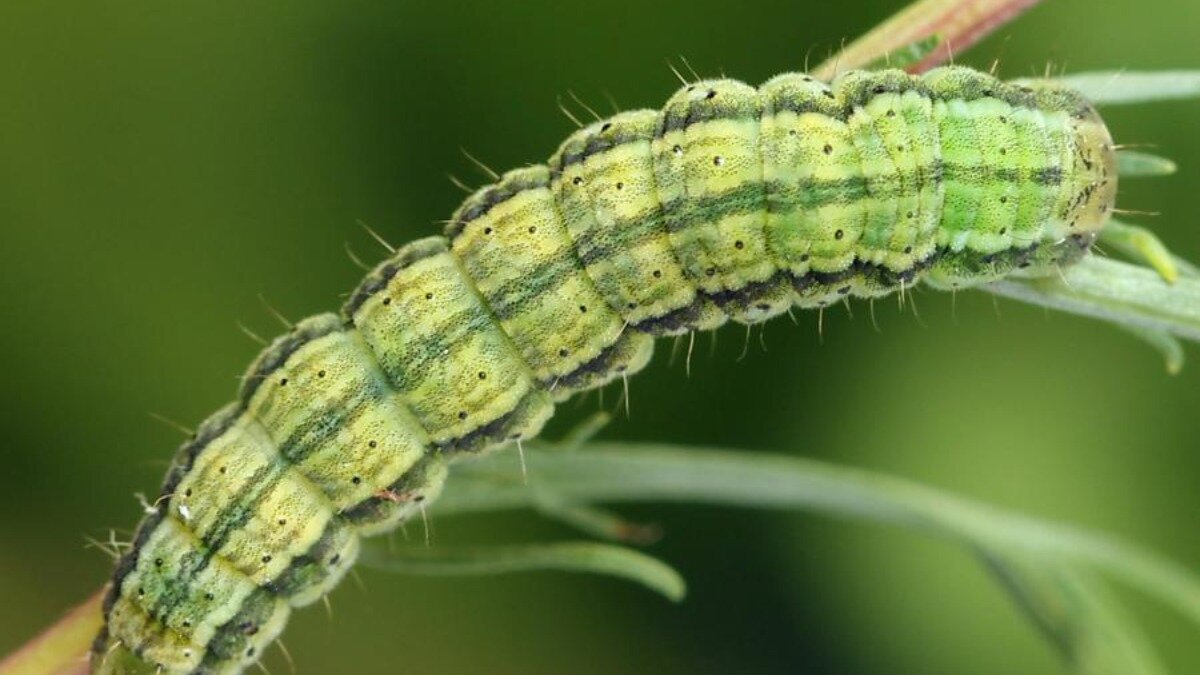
(730,203)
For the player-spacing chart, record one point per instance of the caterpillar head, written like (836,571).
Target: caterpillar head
(1096,157)
(1092,175)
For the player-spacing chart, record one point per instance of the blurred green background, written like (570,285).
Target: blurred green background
(161,164)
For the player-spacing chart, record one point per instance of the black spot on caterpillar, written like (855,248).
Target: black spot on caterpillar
(730,203)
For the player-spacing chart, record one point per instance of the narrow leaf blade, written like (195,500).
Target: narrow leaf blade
(609,472)
(1116,292)
(1131,164)
(596,522)
(1141,245)
(1163,342)
(590,557)
(1121,87)
(1077,615)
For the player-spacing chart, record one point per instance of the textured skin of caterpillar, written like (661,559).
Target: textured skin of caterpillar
(731,203)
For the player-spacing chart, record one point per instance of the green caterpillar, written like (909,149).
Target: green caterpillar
(731,203)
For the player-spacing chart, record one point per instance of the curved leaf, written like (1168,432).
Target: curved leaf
(591,557)
(1141,245)
(1165,343)
(1078,616)
(608,472)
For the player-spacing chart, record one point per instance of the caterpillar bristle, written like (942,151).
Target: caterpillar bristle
(287,656)
(254,337)
(569,115)
(287,323)
(585,106)
(454,180)
(612,102)
(487,170)
(678,75)
(354,257)
(172,424)
(686,64)
(376,236)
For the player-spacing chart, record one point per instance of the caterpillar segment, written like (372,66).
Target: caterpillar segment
(731,203)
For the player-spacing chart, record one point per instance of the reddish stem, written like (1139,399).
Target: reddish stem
(959,24)
(62,648)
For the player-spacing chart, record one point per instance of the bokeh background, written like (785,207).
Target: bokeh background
(161,164)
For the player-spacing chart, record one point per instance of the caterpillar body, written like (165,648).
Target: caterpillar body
(731,203)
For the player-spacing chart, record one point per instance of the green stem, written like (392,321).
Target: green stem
(608,473)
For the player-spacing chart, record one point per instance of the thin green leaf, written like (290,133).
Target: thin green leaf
(585,431)
(959,23)
(1121,87)
(590,557)
(595,521)
(1132,164)
(646,472)
(1186,269)
(1141,245)
(1116,292)
(1077,615)
(1165,343)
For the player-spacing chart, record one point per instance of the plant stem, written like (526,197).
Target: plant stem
(62,648)
(959,24)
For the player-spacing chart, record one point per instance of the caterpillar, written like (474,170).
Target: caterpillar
(731,203)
